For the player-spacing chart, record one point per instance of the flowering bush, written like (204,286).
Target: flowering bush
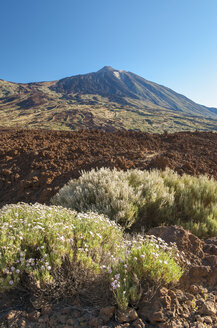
(35,239)
(146,259)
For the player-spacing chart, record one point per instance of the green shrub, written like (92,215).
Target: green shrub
(36,239)
(147,260)
(39,243)
(155,201)
(195,202)
(145,199)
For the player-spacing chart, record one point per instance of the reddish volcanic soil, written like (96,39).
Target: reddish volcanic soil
(34,164)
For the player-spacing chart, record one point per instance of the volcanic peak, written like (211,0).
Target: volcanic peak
(107,69)
(108,98)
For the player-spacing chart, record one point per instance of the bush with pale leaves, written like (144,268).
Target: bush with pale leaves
(138,198)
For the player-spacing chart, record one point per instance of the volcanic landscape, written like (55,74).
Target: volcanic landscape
(35,164)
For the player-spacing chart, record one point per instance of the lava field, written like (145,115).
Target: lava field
(34,164)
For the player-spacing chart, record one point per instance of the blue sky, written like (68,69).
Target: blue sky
(171,42)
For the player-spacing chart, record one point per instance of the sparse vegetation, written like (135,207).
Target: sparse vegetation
(49,106)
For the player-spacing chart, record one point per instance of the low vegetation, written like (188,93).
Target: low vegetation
(37,241)
(37,238)
(145,199)
(57,105)
(147,262)
(81,240)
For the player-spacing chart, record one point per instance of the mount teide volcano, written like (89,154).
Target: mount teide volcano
(109,99)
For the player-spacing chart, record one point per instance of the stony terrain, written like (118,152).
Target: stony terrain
(34,164)
(190,304)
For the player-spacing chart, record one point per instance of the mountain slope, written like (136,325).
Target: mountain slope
(109,82)
(108,99)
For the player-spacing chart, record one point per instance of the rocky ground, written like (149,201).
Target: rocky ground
(35,164)
(191,303)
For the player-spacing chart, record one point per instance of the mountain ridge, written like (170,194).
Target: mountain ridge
(128,100)
(110,69)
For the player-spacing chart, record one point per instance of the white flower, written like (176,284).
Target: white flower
(12,268)
(155,254)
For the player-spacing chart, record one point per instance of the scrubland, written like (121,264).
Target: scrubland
(96,225)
